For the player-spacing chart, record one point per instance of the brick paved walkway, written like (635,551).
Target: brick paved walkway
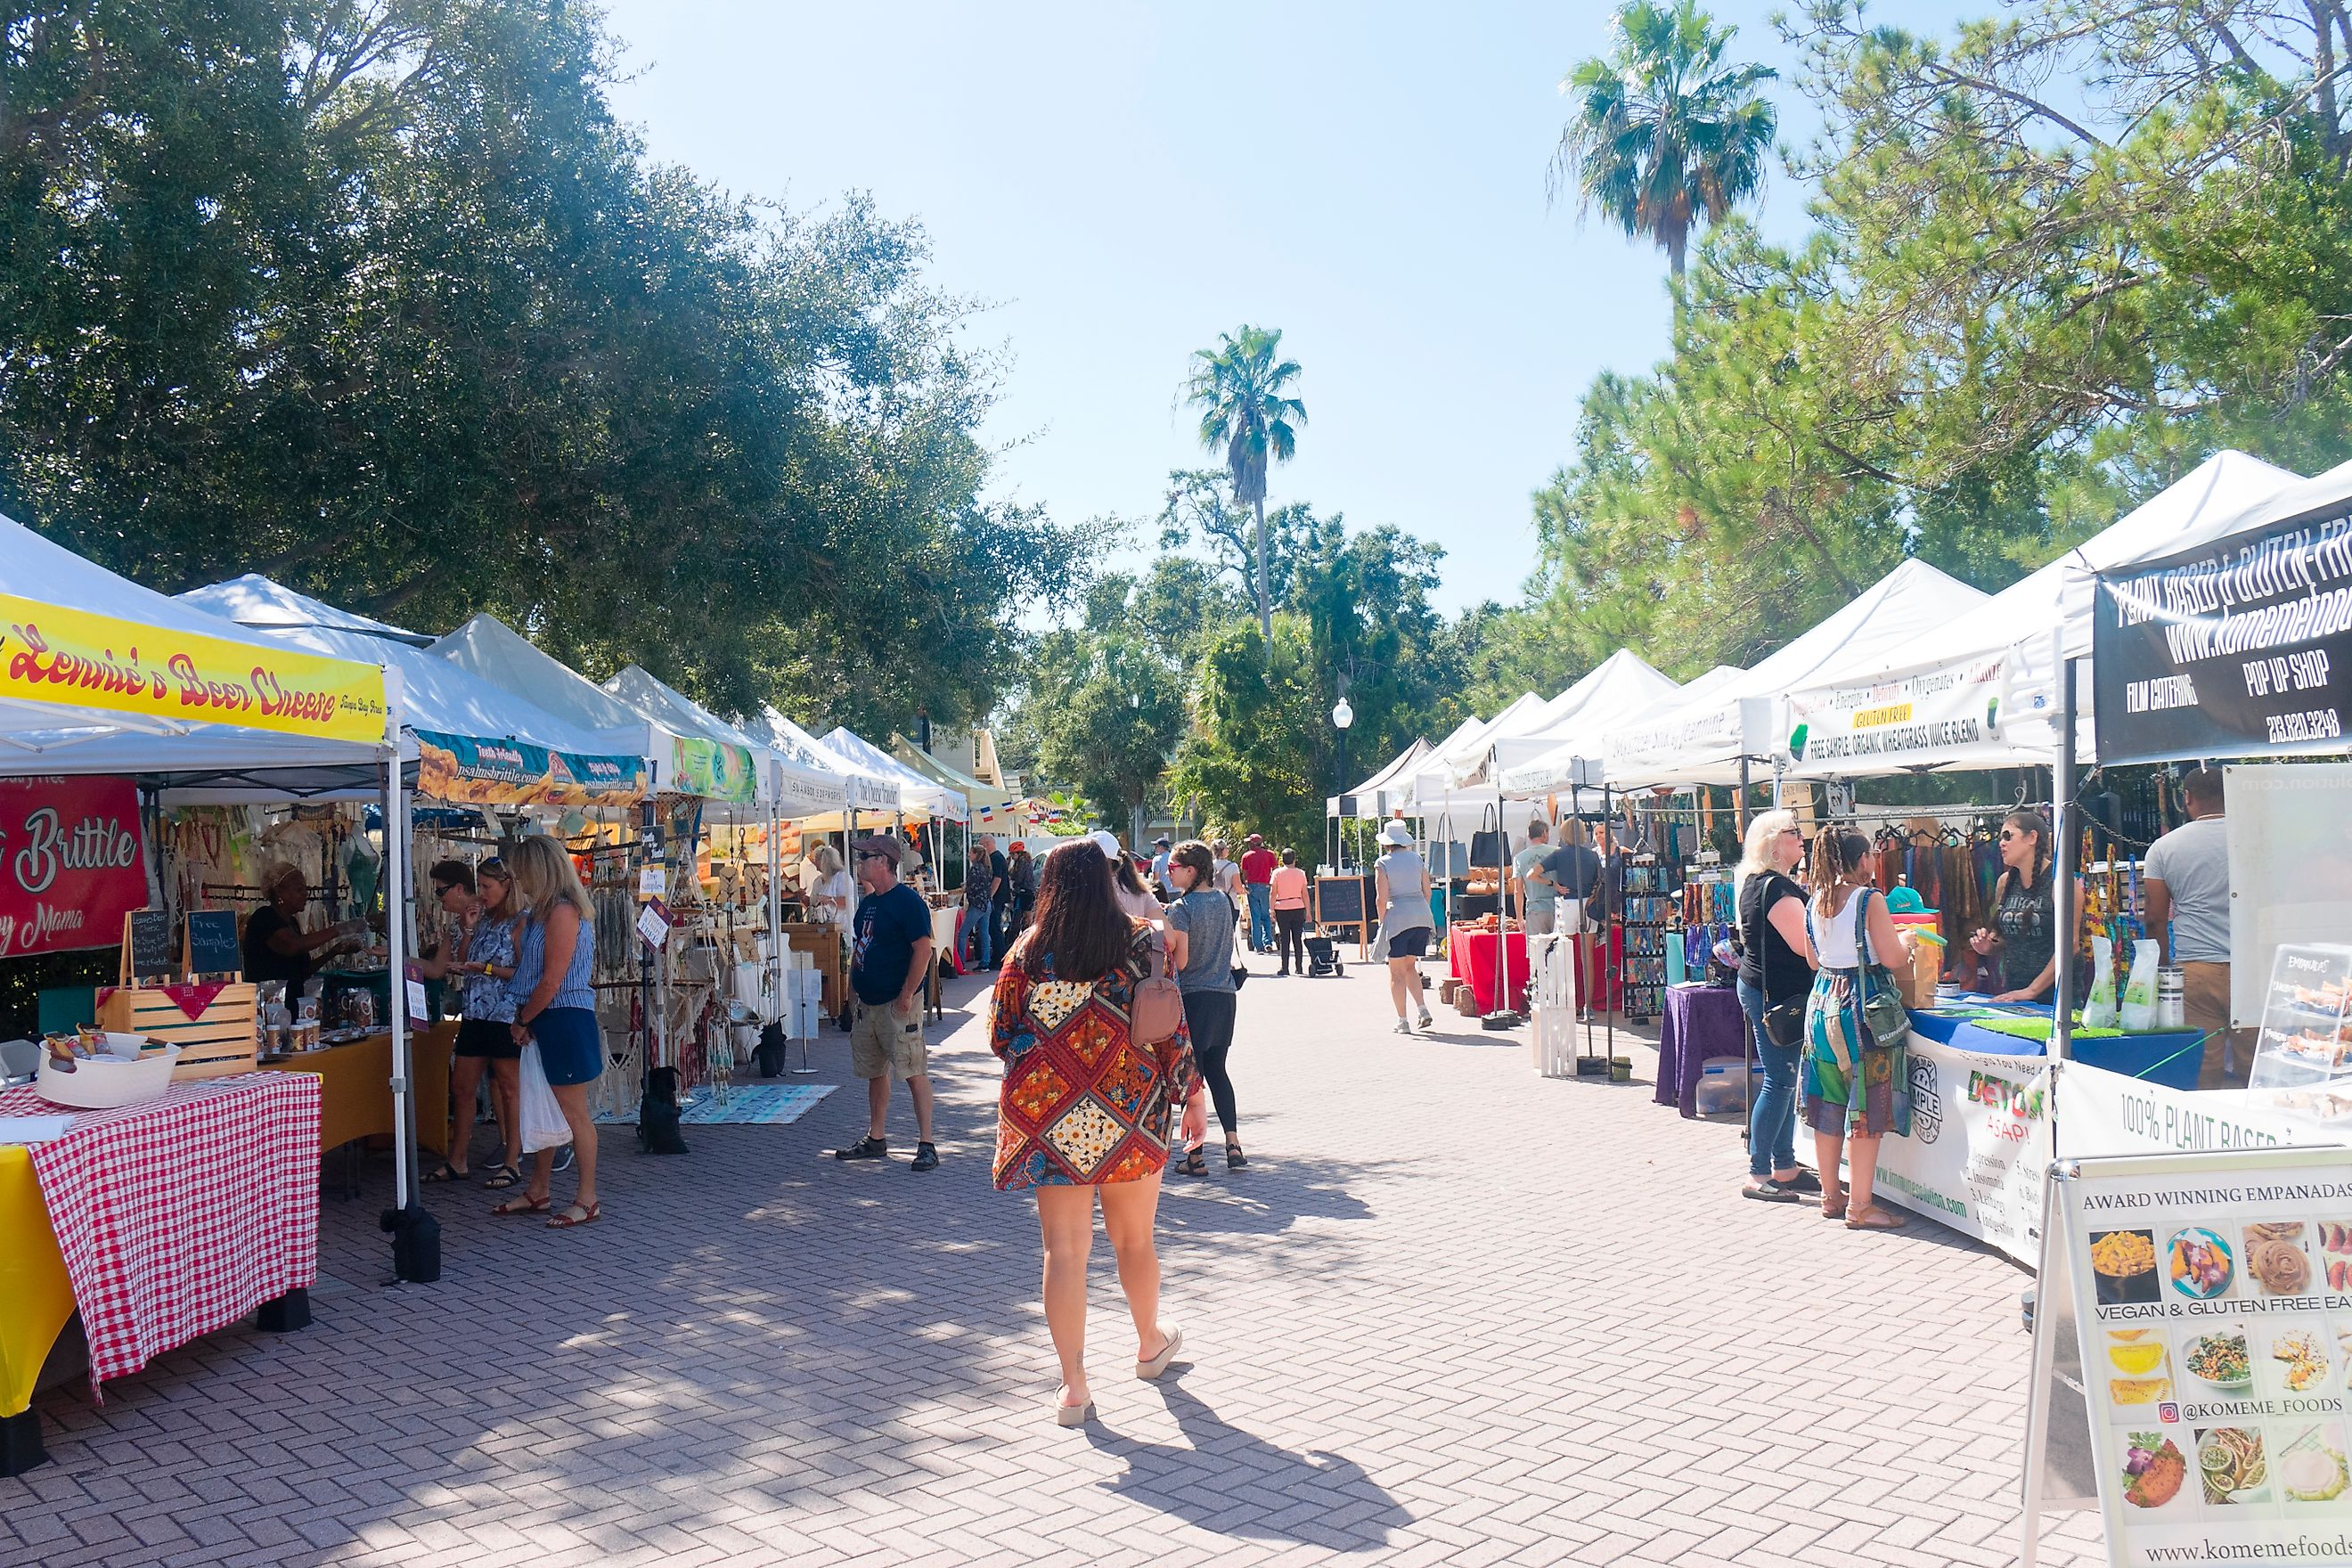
(1453,1313)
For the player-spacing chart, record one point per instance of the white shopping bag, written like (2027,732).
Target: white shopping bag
(543,1126)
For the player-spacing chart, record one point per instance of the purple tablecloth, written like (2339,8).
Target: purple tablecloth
(1702,1023)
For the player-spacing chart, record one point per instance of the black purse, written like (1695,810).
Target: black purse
(1784,1022)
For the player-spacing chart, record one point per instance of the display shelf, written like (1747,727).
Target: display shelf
(1646,907)
(2302,1059)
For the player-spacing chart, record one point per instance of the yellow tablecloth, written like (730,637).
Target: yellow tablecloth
(355,1088)
(36,1298)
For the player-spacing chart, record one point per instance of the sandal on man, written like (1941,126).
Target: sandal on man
(446,1171)
(521,1203)
(1874,1218)
(504,1176)
(589,1214)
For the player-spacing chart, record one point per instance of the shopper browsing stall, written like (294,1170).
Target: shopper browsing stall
(890,959)
(829,898)
(484,956)
(2187,893)
(555,954)
(1857,1076)
(1538,900)
(1574,870)
(1776,974)
(1400,885)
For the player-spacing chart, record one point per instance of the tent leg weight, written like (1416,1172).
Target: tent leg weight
(416,1245)
(20,1443)
(287,1315)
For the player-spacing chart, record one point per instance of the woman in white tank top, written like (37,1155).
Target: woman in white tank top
(1854,1087)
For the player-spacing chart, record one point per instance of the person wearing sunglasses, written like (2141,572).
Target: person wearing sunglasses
(890,962)
(482,900)
(2025,910)
(1776,976)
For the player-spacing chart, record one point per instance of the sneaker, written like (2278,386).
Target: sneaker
(563,1157)
(1426,1020)
(926,1158)
(864,1149)
(1403,1028)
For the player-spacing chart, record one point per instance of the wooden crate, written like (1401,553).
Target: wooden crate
(216,1043)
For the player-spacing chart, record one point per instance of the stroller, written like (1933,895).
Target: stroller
(1323,956)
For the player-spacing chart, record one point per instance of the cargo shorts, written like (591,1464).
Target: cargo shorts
(882,1045)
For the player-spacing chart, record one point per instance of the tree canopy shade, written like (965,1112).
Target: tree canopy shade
(1241,389)
(1663,135)
(379,299)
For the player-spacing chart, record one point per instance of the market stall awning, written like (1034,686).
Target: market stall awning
(869,791)
(1977,693)
(104,676)
(984,798)
(1386,790)
(476,742)
(913,787)
(793,788)
(1702,740)
(1621,689)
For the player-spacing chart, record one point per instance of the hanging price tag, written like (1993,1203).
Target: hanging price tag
(653,882)
(653,923)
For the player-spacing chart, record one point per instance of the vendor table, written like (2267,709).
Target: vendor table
(1702,1024)
(355,1086)
(2172,1058)
(161,1222)
(1471,958)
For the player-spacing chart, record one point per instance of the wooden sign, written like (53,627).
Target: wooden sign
(147,946)
(213,945)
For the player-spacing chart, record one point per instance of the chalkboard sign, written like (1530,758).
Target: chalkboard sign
(146,945)
(212,946)
(1340,901)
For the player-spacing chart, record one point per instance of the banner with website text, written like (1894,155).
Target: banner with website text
(1981,1139)
(462,770)
(73,658)
(2237,650)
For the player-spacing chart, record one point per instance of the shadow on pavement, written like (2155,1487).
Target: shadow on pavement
(1230,1481)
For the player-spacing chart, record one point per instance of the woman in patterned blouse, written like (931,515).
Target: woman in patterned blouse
(1085,1107)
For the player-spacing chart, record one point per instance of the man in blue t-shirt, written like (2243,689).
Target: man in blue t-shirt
(889,962)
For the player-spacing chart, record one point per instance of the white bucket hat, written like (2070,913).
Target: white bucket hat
(1107,842)
(1398,834)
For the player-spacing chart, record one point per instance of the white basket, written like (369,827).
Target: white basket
(123,1077)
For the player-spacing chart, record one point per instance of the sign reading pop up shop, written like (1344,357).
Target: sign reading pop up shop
(2238,649)
(75,659)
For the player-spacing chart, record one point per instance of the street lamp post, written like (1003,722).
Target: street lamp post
(1341,717)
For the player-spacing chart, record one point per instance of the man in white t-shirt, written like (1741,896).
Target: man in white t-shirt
(2188,886)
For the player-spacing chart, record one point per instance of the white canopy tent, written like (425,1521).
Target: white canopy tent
(1621,689)
(789,786)
(1979,691)
(1708,739)
(1387,789)
(134,647)
(867,791)
(913,787)
(1437,787)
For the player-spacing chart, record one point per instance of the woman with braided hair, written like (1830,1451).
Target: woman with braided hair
(1854,1086)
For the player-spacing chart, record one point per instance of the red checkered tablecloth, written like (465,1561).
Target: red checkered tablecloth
(180,1216)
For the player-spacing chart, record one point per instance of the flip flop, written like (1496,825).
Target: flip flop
(446,1171)
(1874,1218)
(1149,1370)
(588,1215)
(521,1204)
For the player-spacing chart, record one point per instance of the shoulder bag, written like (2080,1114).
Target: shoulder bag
(1882,1004)
(1784,1022)
(1158,1009)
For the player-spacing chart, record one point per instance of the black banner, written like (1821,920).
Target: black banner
(2242,647)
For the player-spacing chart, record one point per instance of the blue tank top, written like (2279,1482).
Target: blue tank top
(531,963)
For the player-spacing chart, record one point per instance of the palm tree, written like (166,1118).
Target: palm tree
(1241,389)
(1663,135)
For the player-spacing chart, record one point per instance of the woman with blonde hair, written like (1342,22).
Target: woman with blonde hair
(1854,1086)
(829,901)
(555,953)
(1776,971)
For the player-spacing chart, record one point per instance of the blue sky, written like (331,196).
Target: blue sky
(1121,182)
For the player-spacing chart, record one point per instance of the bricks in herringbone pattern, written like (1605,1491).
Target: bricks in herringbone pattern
(1453,1313)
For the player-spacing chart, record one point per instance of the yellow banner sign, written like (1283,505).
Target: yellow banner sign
(1878,717)
(76,659)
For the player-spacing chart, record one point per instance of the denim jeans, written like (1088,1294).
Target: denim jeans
(1773,1120)
(1261,912)
(979,930)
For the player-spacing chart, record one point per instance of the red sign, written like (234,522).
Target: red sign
(71,863)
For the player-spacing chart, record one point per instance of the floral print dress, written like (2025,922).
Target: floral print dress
(1082,1103)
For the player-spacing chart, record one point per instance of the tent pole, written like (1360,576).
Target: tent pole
(405,1188)
(1739,804)
(2064,870)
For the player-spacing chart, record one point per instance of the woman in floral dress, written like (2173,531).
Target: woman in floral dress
(1084,1109)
